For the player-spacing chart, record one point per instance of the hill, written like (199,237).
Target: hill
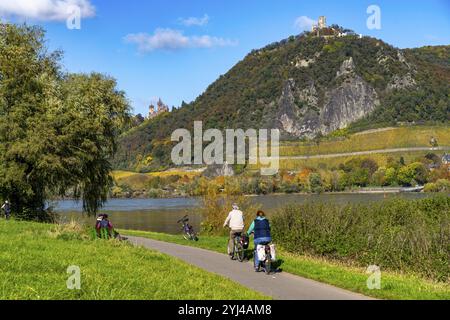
(306,86)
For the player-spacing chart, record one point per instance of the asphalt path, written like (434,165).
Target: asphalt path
(280,285)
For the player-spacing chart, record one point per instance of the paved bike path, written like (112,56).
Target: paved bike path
(282,286)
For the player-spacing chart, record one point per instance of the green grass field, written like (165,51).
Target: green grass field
(394,286)
(34,259)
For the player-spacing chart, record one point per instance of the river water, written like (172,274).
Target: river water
(161,215)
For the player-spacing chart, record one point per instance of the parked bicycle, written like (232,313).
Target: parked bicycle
(188,230)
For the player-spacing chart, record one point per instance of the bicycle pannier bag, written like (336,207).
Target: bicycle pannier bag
(261,252)
(273,252)
(245,242)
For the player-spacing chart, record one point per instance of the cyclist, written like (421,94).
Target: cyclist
(261,229)
(235,221)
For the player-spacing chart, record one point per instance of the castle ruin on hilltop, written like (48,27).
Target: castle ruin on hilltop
(322,30)
(160,109)
(320,26)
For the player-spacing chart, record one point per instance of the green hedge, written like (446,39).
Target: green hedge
(399,235)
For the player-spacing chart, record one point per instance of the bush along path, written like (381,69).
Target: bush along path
(282,286)
(409,237)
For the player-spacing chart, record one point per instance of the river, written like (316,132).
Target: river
(161,215)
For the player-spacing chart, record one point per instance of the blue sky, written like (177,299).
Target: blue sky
(175,49)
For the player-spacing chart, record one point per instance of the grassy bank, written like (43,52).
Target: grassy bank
(34,259)
(393,285)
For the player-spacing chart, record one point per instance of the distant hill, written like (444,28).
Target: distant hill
(306,86)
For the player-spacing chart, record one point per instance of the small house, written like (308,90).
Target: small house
(446,159)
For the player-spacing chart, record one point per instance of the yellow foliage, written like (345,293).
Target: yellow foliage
(217,205)
(148,160)
(139,181)
(164,174)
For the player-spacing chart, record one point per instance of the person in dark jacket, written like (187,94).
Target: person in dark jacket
(7,208)
(261,228)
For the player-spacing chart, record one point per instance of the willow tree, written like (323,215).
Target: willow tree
(57,130)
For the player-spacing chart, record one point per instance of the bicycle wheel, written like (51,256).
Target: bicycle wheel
(240,253)
(233,254)
(268,265)
(193,236)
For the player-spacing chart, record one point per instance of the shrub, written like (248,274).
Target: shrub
(69,231)
(391,176)
(414,172)
(400,235)
(315,183)
(289,187)
(379,177)
(442,185)
(216,207)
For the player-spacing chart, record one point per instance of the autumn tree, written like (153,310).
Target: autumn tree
(57,130)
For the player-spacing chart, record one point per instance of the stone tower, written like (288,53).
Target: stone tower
(322,22)
(152,111)
(160,104)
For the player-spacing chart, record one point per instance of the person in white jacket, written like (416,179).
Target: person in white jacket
(235,221)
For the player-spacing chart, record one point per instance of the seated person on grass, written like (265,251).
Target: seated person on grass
(105,229)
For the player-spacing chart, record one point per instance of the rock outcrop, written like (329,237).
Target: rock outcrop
(217,170)
(399,83)
(351,100)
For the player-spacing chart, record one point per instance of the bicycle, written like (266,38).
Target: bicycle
(238,248)
(188,231)
(266,264)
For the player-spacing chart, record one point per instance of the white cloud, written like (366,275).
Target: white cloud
(45,10)
(169,39)
(193,21)
(304,23)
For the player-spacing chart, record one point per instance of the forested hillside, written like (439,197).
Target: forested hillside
(307,86)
